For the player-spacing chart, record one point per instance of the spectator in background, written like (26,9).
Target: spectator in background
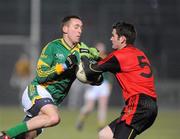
(75,98)
(96,93)
(21,73)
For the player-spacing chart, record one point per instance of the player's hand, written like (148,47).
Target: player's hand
(93,75)
(94,53)
(84,50)
(71,61)
(98,80)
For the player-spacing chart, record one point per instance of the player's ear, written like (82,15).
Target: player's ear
(122,39)
(65,29)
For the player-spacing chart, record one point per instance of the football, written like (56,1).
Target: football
(81,76)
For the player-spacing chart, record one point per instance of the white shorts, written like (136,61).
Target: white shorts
(27,102)
(94,92)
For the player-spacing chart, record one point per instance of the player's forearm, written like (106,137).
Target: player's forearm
(45,74)
(106,65)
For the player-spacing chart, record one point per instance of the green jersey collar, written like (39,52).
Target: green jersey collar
(66,45)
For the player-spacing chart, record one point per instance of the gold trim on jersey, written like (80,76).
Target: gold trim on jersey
(76,47)
(65,44)
(35,98)
(40,63)
(42,73)
(43,52)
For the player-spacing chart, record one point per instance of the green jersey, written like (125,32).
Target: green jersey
(47,75)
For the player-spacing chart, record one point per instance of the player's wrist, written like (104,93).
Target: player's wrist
(71,61)
(60,68)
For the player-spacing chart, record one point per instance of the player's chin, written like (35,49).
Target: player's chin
(114,47)
(76,39)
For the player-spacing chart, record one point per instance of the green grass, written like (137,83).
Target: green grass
(167,125)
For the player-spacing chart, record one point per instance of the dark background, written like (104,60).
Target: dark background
(157,23)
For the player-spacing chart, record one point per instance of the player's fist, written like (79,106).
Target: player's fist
(71,61)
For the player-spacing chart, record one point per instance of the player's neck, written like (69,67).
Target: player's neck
(68,42)
(122,46)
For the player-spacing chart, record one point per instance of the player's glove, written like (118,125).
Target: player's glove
(84,50)
(71,61)
(92,74)
(94,53)
(97,80)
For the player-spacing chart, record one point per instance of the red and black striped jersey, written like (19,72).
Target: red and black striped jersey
(132,70)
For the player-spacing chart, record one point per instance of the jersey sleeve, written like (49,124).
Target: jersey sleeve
(109,64)
(46,71)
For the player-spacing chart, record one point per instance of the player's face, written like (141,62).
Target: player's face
(115,39)
(74,30)
(117,42)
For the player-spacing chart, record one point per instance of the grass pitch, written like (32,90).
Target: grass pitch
(166,126)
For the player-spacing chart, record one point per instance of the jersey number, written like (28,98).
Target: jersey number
(142,64)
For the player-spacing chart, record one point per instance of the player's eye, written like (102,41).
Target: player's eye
(78,27)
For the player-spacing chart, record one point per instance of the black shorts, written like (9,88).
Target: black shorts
(138,114)
(39,103)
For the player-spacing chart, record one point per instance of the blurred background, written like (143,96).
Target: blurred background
(28,25)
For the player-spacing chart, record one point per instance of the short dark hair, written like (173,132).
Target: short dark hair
(66,19)
(127,30)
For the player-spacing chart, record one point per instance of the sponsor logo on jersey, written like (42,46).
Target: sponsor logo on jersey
(59,56)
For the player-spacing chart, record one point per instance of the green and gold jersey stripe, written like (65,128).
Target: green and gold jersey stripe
(42,73)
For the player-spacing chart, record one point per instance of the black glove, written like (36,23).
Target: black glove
(93,75)
(97,80)
(71,61)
